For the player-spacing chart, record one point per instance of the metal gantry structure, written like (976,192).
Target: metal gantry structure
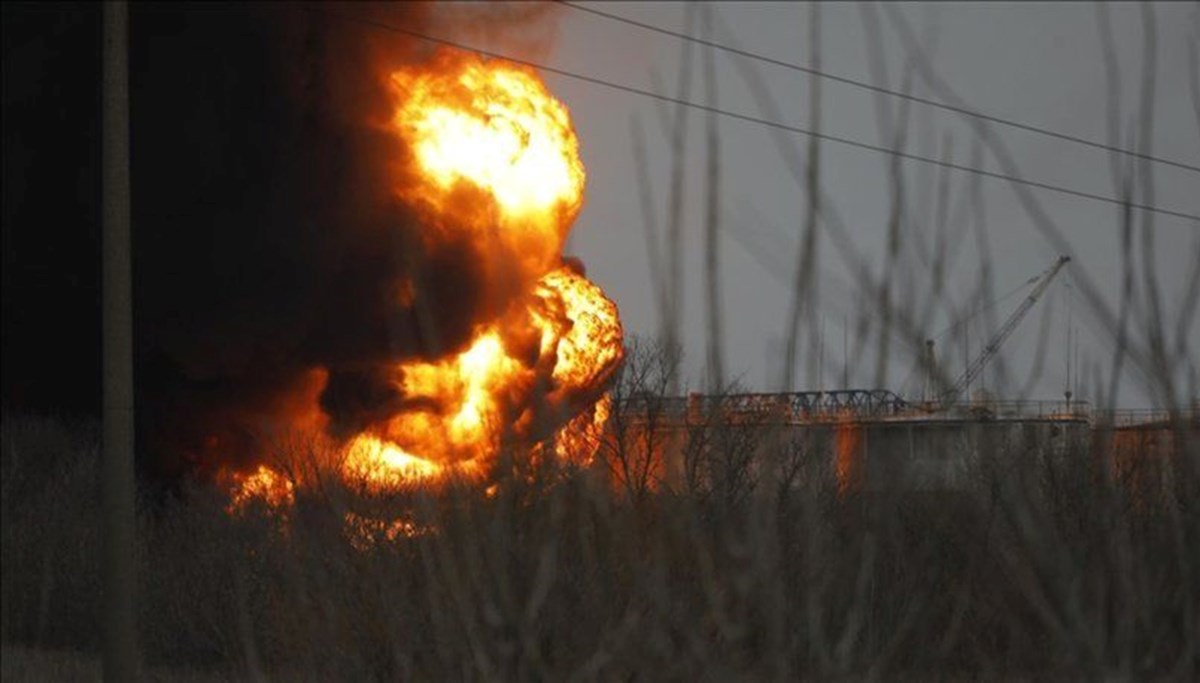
(841,404)
(992,347)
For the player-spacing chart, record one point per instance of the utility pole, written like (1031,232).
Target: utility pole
(821,358)
(845,353)
(120,632)
(1067,387)
(928,392)
(967,352)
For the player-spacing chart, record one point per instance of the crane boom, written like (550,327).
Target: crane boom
(993,345)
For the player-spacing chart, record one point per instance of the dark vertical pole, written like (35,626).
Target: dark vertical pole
(821,357)
(1067,388)
(967,354)
(120,648)
(845,352)
(712,221)
(803,298)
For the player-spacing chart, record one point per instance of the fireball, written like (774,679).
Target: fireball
(590,349)
(491,158)
(493,154)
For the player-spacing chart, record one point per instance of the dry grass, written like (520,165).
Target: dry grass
(1053,572)
(25,665)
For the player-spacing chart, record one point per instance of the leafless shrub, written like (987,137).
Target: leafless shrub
(1045,565)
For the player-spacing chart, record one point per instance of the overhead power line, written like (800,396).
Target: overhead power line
(849,142)
(879,89)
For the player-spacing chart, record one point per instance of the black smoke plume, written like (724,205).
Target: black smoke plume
(268,242)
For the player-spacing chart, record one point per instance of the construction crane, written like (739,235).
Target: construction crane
(993,346)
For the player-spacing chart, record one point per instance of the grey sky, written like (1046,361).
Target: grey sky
(1036,63)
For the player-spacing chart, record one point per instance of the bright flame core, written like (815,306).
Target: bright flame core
(491,127)
(593,342)
(262,484)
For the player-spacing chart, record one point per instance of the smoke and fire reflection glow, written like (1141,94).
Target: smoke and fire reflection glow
(491,159)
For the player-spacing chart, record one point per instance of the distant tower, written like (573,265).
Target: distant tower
(930,386)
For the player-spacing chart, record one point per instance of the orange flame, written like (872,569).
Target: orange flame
(264,484)
(493,158)
(848,459)
(470,403)
(494,152)
(591,345)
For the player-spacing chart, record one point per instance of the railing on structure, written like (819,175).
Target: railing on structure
(874,404)
(1030,410)
(1080,410)
(1147,418)
(814,404)
(801,406)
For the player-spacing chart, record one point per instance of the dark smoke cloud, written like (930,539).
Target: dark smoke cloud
(268,240)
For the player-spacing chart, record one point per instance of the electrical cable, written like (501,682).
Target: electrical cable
(761,121)
(879,89)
